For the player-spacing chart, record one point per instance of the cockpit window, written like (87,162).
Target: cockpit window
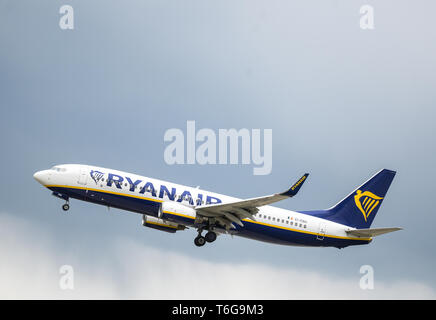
(58,169)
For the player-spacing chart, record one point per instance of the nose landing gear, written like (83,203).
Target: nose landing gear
(66,205)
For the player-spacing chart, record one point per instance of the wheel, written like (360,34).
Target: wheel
(199,241)
(65,207)
(210,236)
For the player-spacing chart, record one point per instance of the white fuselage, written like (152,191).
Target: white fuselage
(144,195)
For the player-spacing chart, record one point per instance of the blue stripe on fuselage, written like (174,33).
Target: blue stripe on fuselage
(251,229)
(285,236)
(116,200)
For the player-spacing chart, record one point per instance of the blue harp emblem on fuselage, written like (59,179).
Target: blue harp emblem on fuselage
(96,175)
(366,202)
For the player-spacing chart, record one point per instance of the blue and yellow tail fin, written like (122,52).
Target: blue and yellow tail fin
(360,207)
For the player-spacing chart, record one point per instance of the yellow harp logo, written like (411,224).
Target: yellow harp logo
(366,202)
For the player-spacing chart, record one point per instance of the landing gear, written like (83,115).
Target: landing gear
(199,241)
(66,205)
(210,236)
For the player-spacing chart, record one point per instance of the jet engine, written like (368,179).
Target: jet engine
(160,224)
(178,213)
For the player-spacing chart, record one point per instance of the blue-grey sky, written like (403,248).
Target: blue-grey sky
(342,103)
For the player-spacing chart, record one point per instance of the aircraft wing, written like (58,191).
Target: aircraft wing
(234,212)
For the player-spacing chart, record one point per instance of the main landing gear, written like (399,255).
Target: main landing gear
(201,241)
(210,236)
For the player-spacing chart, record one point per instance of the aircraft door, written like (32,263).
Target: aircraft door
(83,176)
(321,232)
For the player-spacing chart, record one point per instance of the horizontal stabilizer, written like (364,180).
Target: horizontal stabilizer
(368,233)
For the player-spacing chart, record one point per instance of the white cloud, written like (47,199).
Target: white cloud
(30,263)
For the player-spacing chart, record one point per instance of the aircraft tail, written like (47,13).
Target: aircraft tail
(360,207)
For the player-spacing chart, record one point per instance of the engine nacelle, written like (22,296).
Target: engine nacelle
(160,224)
(178,213)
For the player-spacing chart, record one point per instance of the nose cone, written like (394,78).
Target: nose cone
(41,177)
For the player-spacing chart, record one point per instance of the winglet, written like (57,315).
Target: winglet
(296,187)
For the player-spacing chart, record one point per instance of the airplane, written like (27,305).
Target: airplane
(171,207)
